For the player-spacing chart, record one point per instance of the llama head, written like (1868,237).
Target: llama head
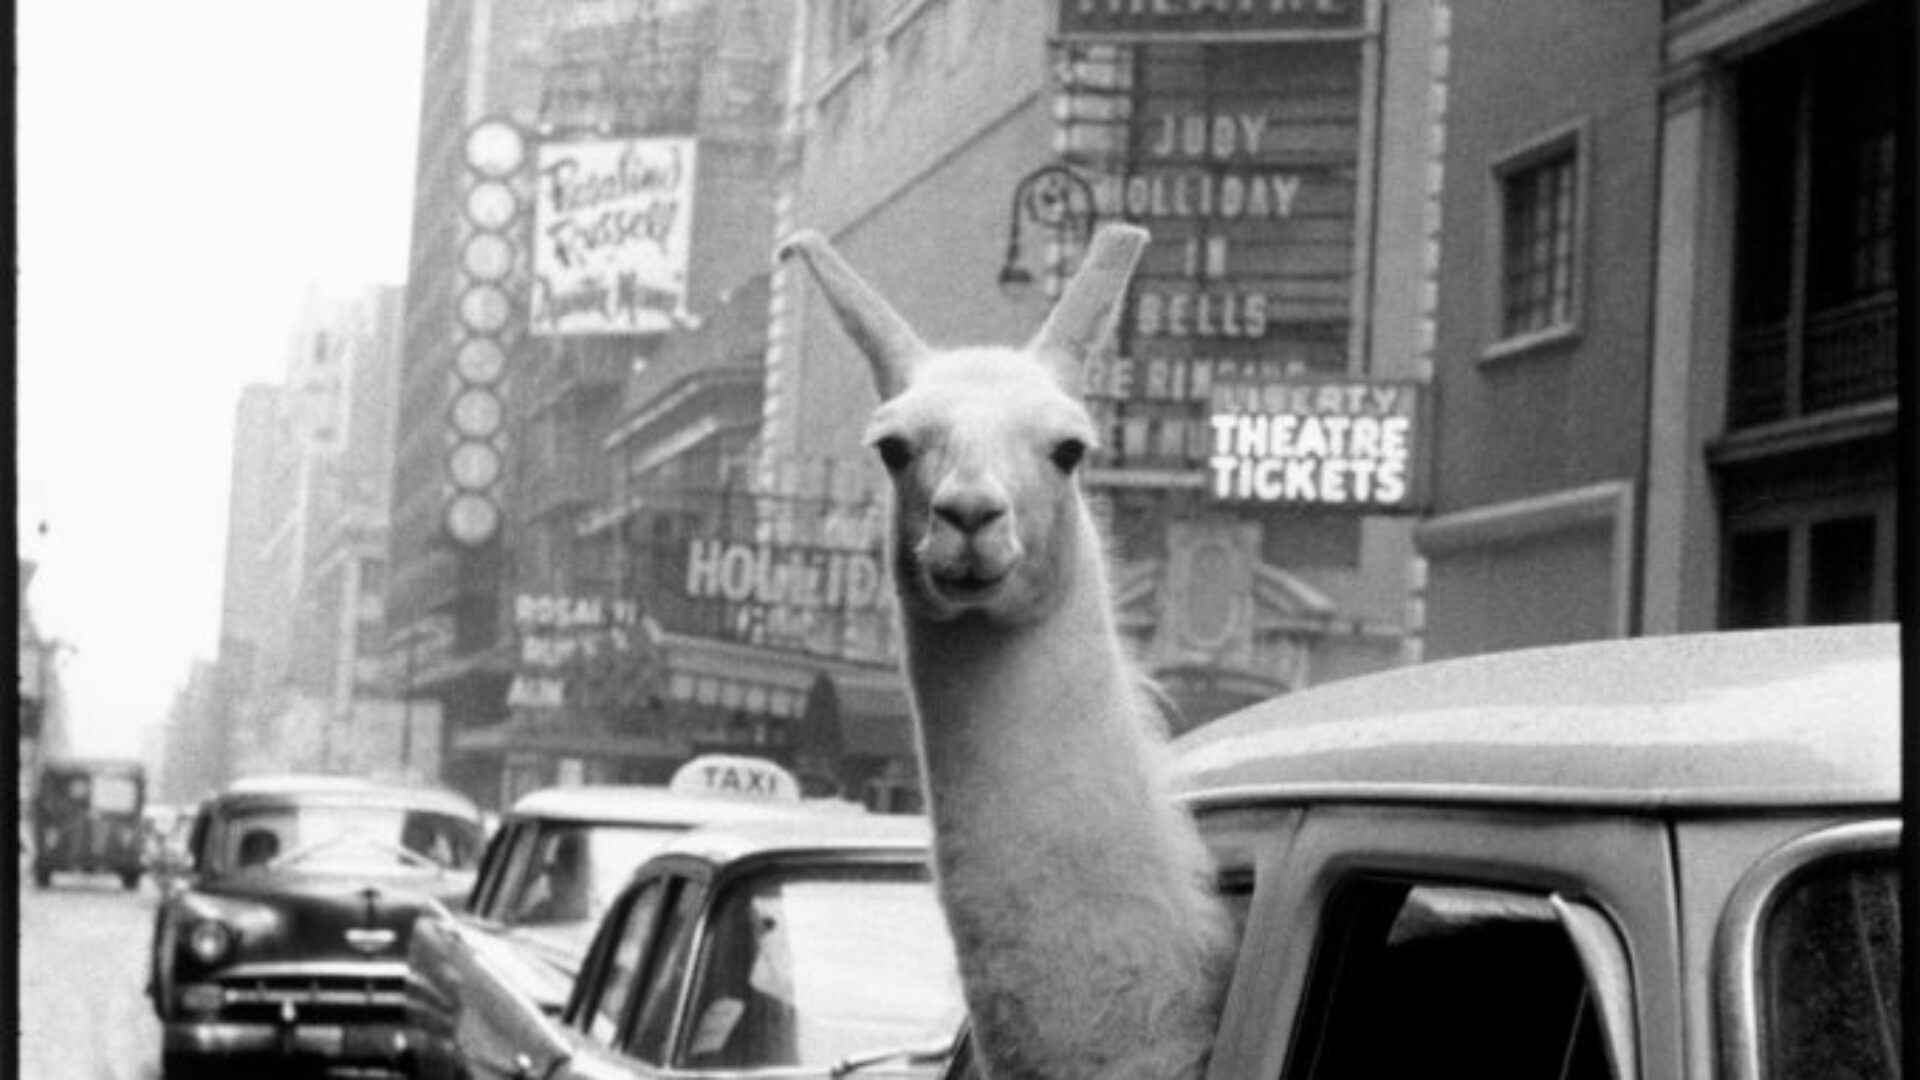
(982,443)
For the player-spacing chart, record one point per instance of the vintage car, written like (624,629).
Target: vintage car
(1661,857)
(88,819)
(806,947)
(557,859)
(285,943)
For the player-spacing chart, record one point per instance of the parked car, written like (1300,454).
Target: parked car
(807,947)
(556,861)
(1662,857)
(87,818)
(285,944)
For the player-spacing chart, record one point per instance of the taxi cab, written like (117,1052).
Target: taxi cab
(556,860)
(811,946)
(1660,857)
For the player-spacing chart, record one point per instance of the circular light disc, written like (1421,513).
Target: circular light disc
(477,413)
(480,360)
(472,519)
(474,466)
(484,309)
(495,148)
(491,205)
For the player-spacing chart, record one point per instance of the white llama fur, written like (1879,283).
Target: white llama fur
(1091,943)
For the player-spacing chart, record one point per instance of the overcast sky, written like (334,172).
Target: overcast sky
(186,171)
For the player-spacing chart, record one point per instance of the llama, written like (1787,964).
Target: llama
(1080,898)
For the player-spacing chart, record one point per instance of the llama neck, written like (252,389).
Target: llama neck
(1060,858)
(1019,715)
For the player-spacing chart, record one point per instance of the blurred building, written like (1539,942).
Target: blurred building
(193,758)
(298,686)
(1666,352)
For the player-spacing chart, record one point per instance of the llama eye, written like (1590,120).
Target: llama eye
(1067,454)
(894,452)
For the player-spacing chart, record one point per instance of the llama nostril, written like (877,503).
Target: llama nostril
(970,512)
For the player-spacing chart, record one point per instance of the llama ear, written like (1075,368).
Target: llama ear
(1088,311)
(881,333)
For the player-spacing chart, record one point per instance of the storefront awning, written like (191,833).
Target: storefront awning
(875,718)
(521,737)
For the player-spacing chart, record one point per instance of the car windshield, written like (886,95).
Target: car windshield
(568,872)
(812,970)
(344,837)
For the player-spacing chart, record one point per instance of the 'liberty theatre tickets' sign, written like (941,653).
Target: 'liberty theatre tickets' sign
(612,222)
(1336,444)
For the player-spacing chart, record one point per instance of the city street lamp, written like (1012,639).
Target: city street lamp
(1056,198)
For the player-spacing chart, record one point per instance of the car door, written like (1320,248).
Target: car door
(467,994)
(1406,940)
(625,1012)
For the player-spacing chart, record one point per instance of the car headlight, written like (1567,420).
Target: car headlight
(209,941)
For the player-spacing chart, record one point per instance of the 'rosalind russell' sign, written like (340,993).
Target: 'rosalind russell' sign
(1357,445)
(612,221)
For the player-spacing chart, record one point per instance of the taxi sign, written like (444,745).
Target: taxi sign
(733,774)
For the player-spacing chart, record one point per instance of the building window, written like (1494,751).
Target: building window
(1811,565)
(1815,303)
(1539,237)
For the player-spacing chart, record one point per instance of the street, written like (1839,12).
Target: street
(83,967)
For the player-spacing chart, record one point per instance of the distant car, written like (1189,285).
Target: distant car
(1660,857)
(285,944)
(557,859)
(808,947)
(88,819)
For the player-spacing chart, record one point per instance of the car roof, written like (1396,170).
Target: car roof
(804,831)
(295,787)
(637,804)
(1762,719)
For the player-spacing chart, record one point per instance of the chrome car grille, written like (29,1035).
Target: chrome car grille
(331,998)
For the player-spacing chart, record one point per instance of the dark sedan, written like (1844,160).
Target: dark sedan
(286,943)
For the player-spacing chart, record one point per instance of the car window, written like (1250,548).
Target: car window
(116,794)
(1830,976)
(342,836)
(486,882)
(660,993)
(809,969)
(517,860)
(199,839)
(602,1003)
(576,869)
(1434,980)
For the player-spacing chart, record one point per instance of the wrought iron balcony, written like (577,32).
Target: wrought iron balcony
(1845,357)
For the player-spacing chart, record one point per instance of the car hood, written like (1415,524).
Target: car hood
(540,962)
(313,917)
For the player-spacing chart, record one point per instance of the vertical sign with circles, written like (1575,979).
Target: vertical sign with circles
(495,151)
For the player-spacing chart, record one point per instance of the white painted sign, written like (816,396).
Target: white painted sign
(612,225)
(734,774)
